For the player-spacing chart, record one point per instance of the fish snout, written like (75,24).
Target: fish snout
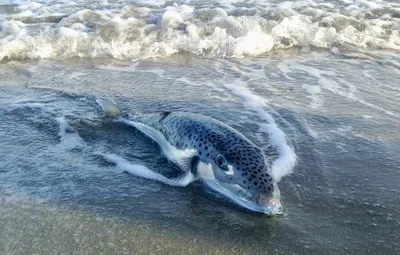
(271,202)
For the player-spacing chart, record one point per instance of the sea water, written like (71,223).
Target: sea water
(315,84)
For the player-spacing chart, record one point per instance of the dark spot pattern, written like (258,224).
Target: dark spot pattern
(210,138)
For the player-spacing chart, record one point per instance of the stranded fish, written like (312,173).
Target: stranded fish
(215,153)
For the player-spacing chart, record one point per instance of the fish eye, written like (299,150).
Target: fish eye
(221,161)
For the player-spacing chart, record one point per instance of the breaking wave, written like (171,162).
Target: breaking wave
(36,30)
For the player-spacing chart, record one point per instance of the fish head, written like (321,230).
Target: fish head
(243,176)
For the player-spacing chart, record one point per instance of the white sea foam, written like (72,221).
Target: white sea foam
(339,87)
(314,91)
(26,102)
(144,172)
(125,31)
(69,139)
(132,69)
(28,5)
(35,105)
(76,75)
(284,164)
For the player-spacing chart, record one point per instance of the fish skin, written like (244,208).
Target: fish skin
(207,149)
(210,137)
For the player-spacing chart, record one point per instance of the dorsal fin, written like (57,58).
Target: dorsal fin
(109,107)
(164,115)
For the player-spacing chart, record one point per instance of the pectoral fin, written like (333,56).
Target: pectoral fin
(189,163)
(187,159)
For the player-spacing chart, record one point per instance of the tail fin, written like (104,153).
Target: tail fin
(109,107)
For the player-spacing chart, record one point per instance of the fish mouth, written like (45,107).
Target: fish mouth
(266,205)
(262,204)
(272,204)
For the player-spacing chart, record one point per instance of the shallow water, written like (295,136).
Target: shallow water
(327,118)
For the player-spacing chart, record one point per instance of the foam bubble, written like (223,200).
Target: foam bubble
(132,68)
(144,172)
(134,32)
(314,91)
(152,2)
(67,32)
(172,19)
(183,9)
(69,139)
(29,6)
(24,103)
(254,43)
(284,164)
(329,84)
(11,30)
(23,14)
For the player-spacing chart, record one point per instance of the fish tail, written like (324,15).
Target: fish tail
(109,107)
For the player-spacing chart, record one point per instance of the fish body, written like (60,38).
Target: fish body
(217,154)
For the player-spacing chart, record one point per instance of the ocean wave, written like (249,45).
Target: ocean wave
(31,30)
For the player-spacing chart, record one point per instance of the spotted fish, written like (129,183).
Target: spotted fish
(213,152)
